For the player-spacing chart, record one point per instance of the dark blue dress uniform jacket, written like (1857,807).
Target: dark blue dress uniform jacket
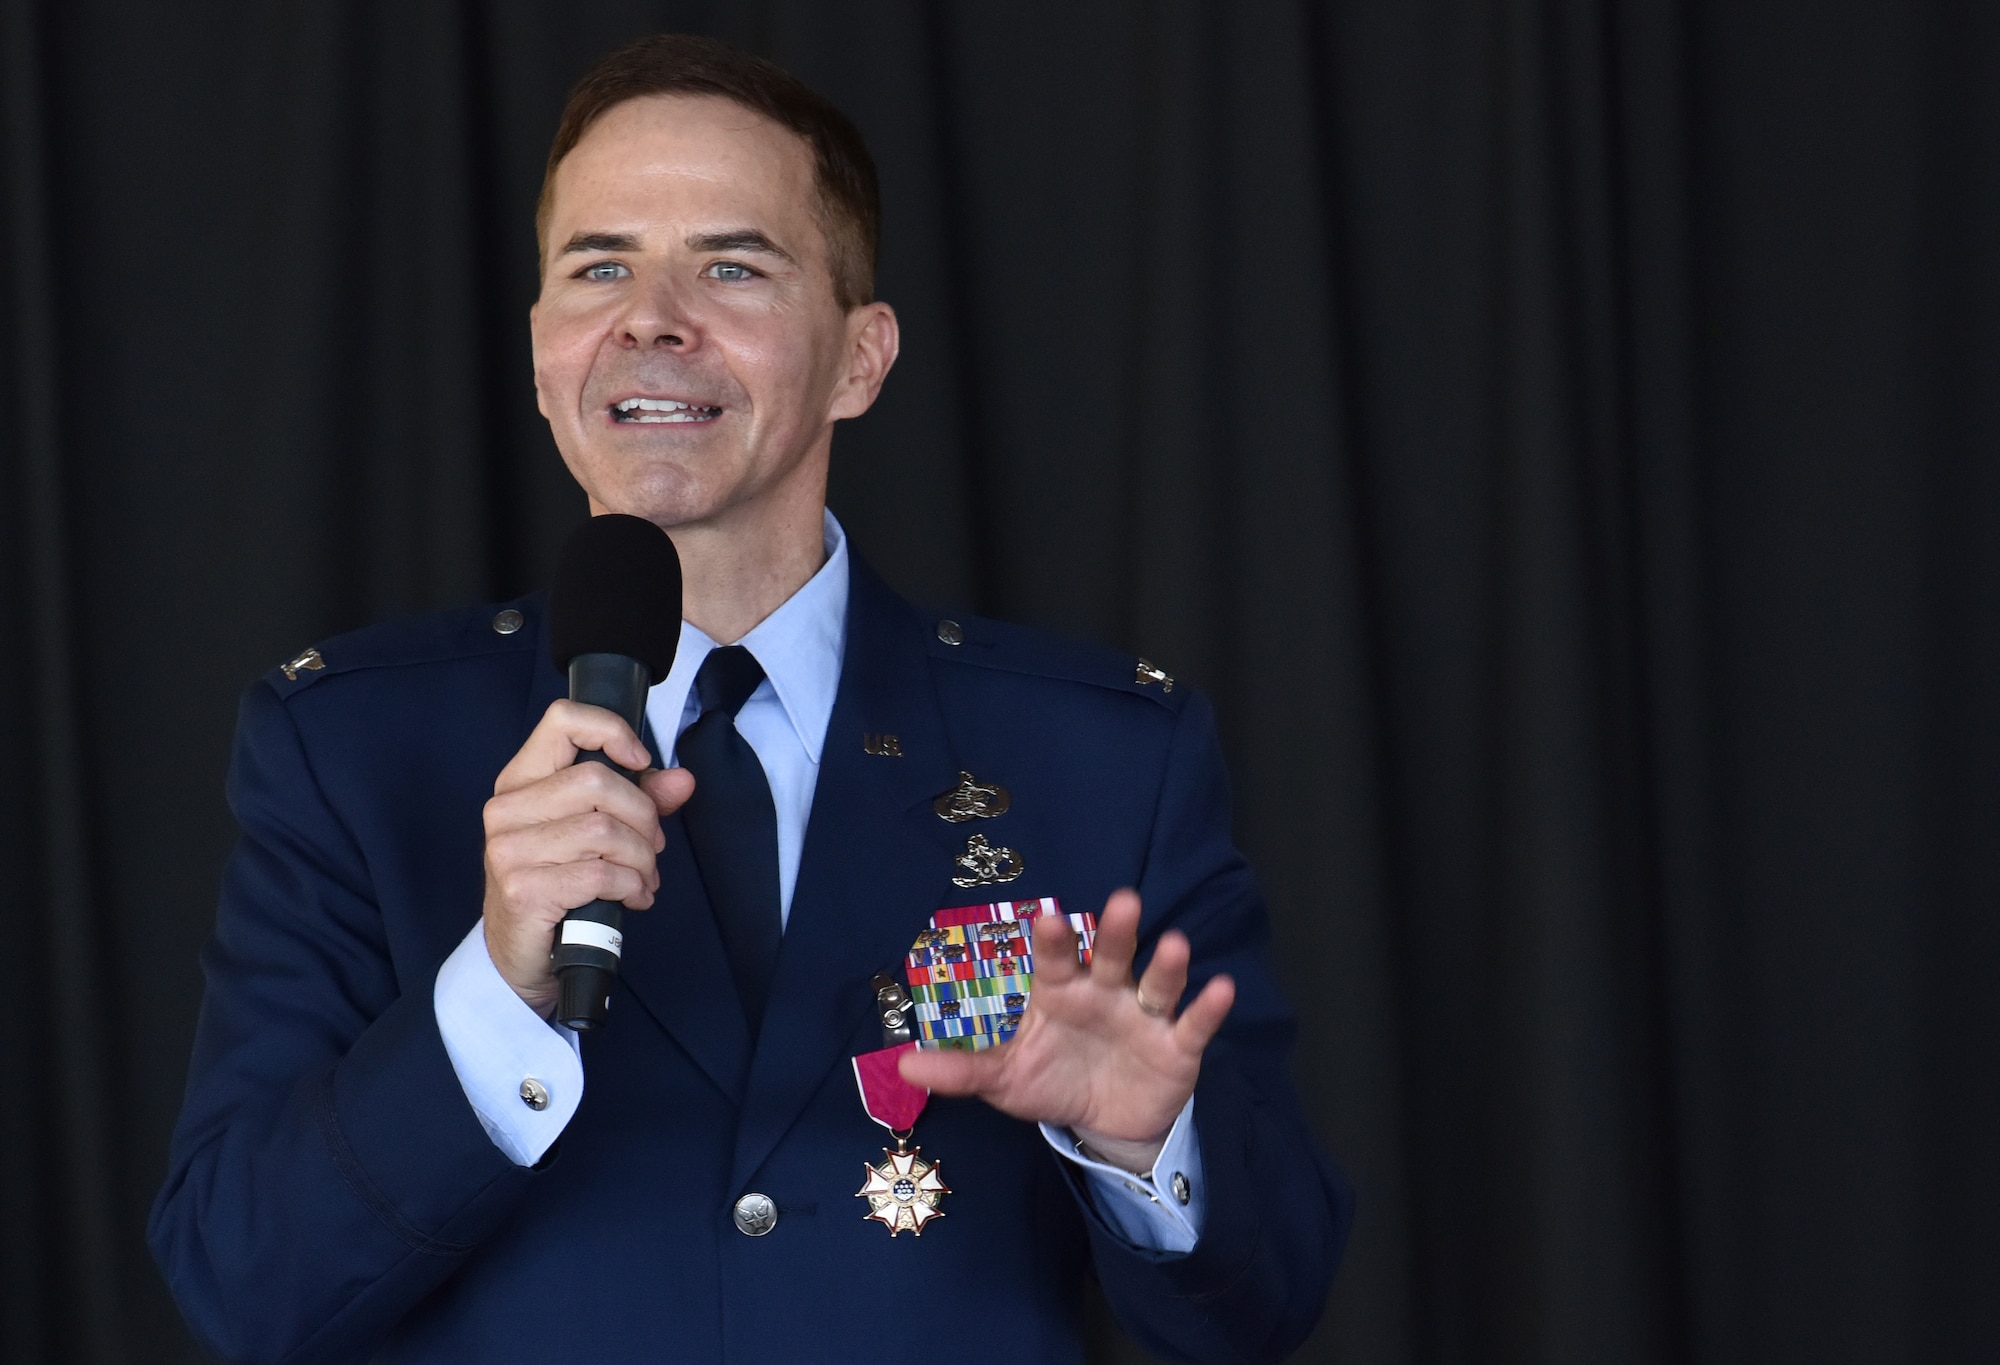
(332,1196)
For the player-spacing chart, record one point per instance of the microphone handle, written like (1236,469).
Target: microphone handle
(590,941)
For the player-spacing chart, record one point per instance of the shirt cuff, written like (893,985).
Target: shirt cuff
(522,1074)
(1160,1213)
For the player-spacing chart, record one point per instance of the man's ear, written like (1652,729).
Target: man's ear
(873,338)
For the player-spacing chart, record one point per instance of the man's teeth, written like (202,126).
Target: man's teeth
(662,410)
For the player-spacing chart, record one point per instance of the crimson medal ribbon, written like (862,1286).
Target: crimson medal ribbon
(903,1192)
(889,1099)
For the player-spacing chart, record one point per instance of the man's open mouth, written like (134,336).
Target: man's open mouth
(662,410)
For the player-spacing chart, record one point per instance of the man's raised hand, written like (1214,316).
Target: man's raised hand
(560,834)
(1108,1060)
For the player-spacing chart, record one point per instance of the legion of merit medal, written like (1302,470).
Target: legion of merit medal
(903,1191)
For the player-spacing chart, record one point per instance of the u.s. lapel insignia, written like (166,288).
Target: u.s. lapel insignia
(1149,673)
(987,865)
(881,746)
(310,661)
(972,799)
(903,1192)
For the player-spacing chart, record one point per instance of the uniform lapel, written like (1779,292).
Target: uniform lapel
(875,862)
(674,966)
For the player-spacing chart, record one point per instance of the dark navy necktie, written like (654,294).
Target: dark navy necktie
(733,825)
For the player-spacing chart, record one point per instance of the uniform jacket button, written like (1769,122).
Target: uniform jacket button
(755,1215)
(507,622)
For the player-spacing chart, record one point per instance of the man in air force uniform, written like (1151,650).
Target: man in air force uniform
(389,1152)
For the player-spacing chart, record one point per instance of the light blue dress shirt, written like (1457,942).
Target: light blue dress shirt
(495,1041)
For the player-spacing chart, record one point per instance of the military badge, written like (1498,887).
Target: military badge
(903,1190)
(987,864)
(972,799)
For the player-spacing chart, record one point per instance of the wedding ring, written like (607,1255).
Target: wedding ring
(1157,1011)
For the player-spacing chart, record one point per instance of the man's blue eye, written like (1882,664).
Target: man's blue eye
(604,270)
(731,270)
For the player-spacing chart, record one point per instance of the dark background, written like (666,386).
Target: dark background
(1561,437)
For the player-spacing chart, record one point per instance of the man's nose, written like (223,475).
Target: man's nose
(658,319)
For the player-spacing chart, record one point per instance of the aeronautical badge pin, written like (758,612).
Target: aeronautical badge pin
(972,799)
(903,1190)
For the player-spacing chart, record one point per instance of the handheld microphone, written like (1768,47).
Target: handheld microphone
(614,624)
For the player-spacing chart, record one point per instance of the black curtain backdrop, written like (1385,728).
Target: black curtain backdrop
(1560,434)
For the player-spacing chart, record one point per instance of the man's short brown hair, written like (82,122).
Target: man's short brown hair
(850,203)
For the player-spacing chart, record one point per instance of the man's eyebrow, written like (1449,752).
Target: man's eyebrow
(599,241)
(740,239)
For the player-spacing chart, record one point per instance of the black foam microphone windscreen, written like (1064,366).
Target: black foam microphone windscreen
(614,623)
(617,591)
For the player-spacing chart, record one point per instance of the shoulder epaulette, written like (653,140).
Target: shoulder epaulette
(459,633)
(984,643)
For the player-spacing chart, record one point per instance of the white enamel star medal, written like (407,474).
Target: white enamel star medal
(904,1191)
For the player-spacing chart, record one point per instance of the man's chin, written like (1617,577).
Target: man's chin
(666,513)
(665,495)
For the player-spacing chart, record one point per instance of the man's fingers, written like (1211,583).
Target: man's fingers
(574,790)
(948,1071)
(567,729)
(1117,937)
(543,893)
(1166,975)
(560,834)
(553,891)
(582,883)
(1204,1014)
(670,788)
(1055,951)
(590,836)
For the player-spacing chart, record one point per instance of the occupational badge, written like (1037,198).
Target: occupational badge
(972,799)
(903,1190)
(985,863)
